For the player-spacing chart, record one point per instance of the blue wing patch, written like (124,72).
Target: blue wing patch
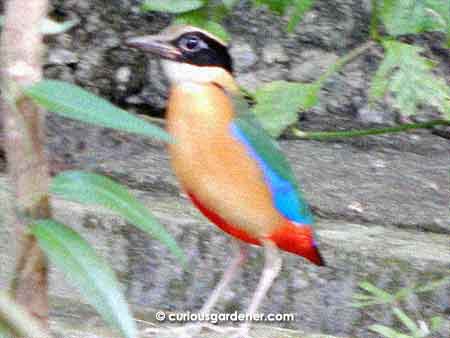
(286,197)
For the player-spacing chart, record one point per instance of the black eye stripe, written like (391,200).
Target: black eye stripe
(209,52)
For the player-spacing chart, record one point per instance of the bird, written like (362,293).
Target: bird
(229,166)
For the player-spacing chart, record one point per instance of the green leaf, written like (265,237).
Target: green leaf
(278,103)
(278,6)
(51,27)
(76,103)
(408,322)
(90,273)
(415,16)
(217,13)
(361,296)
(403,293)
(408,76)
(296,9)
(229,3)
(366,304)
(387,331)
(436,323)
(200,19)
(379,293)
(171,6)
(90,188)
(5,332)
(300,8)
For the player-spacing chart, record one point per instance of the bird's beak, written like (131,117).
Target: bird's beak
(154,44)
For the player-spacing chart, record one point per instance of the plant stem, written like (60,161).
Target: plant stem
(21,50)
(337,66)
(247,93)
(374,21)
(327,135)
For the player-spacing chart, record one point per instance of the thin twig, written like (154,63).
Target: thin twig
(341,62)
(374,21)
(327,135)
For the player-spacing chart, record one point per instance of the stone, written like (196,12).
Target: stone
(62,57)
(244,56)
(310,65)
(273,52)
(332,177)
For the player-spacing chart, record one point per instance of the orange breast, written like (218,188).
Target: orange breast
(214,167)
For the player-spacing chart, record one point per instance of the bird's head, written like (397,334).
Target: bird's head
(189,54)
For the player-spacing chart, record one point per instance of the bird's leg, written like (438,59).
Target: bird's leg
(240,257)
(272,267)
(238,260)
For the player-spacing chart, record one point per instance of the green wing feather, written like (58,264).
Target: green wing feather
(261,141)
(287,196)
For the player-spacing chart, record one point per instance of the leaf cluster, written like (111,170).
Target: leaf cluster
(412,17)
(376,296)
(64,247)
(404,74)
(208,14)
(204,14)
(409,77)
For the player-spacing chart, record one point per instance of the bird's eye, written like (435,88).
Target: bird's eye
(190,43)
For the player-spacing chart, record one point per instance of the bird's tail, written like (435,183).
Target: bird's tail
(298,239)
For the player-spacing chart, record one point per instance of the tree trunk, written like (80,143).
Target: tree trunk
(21,50)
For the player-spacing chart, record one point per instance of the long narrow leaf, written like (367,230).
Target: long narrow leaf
(408,322)
(90,188)
(51,27)
(387,331)
(16,321)
(174,6)
(76,103)
(366,303)
(90,273)
(381,294)
(361,296)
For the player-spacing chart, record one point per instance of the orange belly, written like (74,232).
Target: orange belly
(291,237)
(222,224)
(213,166)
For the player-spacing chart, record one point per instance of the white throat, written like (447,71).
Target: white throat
(179,72)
